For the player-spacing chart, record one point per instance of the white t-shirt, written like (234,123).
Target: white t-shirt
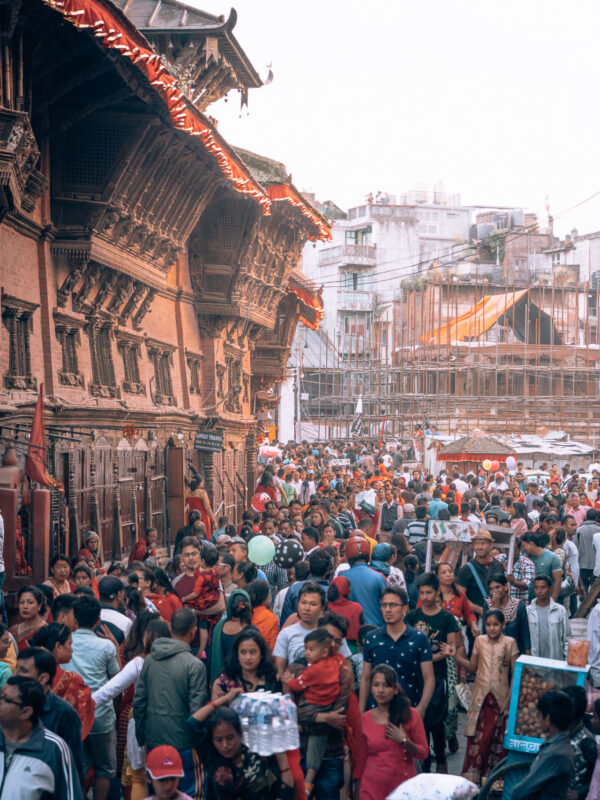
(572,552)
(290,643)
(596,543)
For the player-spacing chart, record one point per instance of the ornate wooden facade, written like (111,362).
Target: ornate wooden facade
(144,270)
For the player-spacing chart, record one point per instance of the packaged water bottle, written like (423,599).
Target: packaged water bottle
(242,707)
(293,737)
(262,743)
(277,731)
(251,744)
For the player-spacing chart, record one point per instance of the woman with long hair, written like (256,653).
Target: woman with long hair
(237,617)
(69,686)
(198,500)
(520,522)
(266,484)
(403,549)
(163,595)
(454,601)
(515,612)
(145,630)
(249,665)
(60,572)
(32,607)
(392,737)
(231,770)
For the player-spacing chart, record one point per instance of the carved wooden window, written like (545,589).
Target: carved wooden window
(161,357)
(130,353)
(69,339)
(103,371)
(17,317)
(229,223)
(193,363)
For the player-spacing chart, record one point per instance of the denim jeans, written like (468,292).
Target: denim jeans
(330,778)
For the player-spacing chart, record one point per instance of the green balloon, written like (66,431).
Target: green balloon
(261,550)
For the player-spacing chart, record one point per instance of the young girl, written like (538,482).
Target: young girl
(392,737)
(494,656)
(320,684)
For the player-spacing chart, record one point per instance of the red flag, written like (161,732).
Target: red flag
(381,434)
(36,457)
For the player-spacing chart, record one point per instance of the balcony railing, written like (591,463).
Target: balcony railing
(385,211)
(360,254)
(357,301)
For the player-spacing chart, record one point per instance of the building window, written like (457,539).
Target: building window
(17,317)
(69,338)
(193,362)
(130,353)
(161,357)
(103,371)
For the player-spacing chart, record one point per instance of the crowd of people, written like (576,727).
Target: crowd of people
(119,678)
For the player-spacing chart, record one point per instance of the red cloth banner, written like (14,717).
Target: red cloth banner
(35,467)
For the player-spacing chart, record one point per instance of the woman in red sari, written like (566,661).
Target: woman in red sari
(32,607)
(67,685)
(197,500)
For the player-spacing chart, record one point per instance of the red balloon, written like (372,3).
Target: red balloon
(259,501)
(495,466)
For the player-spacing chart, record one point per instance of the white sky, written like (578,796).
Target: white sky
(496,100)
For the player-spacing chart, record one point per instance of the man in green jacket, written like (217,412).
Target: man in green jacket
(172,685)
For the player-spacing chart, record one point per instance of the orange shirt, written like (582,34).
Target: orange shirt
(267,623)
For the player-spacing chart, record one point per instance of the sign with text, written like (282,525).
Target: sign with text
(452,531)
(210,441)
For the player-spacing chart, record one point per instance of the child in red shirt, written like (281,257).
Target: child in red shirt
(319,683)
(206,593)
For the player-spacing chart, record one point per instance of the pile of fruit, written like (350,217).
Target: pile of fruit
(533,686)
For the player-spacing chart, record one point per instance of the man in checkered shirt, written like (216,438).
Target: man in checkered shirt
(522,575)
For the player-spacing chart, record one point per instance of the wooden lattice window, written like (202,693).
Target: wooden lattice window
(131,353)
(103,371)
(228,227)
(161,357)
(17,317)
(193,362)
(69,338)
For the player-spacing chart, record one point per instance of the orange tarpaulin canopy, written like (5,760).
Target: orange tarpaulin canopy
(311,301)
(116,32)
(474,322)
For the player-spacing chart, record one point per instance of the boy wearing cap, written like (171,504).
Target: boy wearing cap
(164,768)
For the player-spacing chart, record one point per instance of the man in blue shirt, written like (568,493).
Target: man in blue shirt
(366,585)
(404,648)
(436,504)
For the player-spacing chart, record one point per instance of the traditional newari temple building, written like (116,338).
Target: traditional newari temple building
(148,269)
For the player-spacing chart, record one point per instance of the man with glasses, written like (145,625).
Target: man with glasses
(35,764)
(402,647)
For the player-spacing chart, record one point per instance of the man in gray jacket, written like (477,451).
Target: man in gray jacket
(548,622)
(585,544)
(172,685)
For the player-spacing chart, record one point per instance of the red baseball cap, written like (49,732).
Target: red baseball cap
(164,762)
